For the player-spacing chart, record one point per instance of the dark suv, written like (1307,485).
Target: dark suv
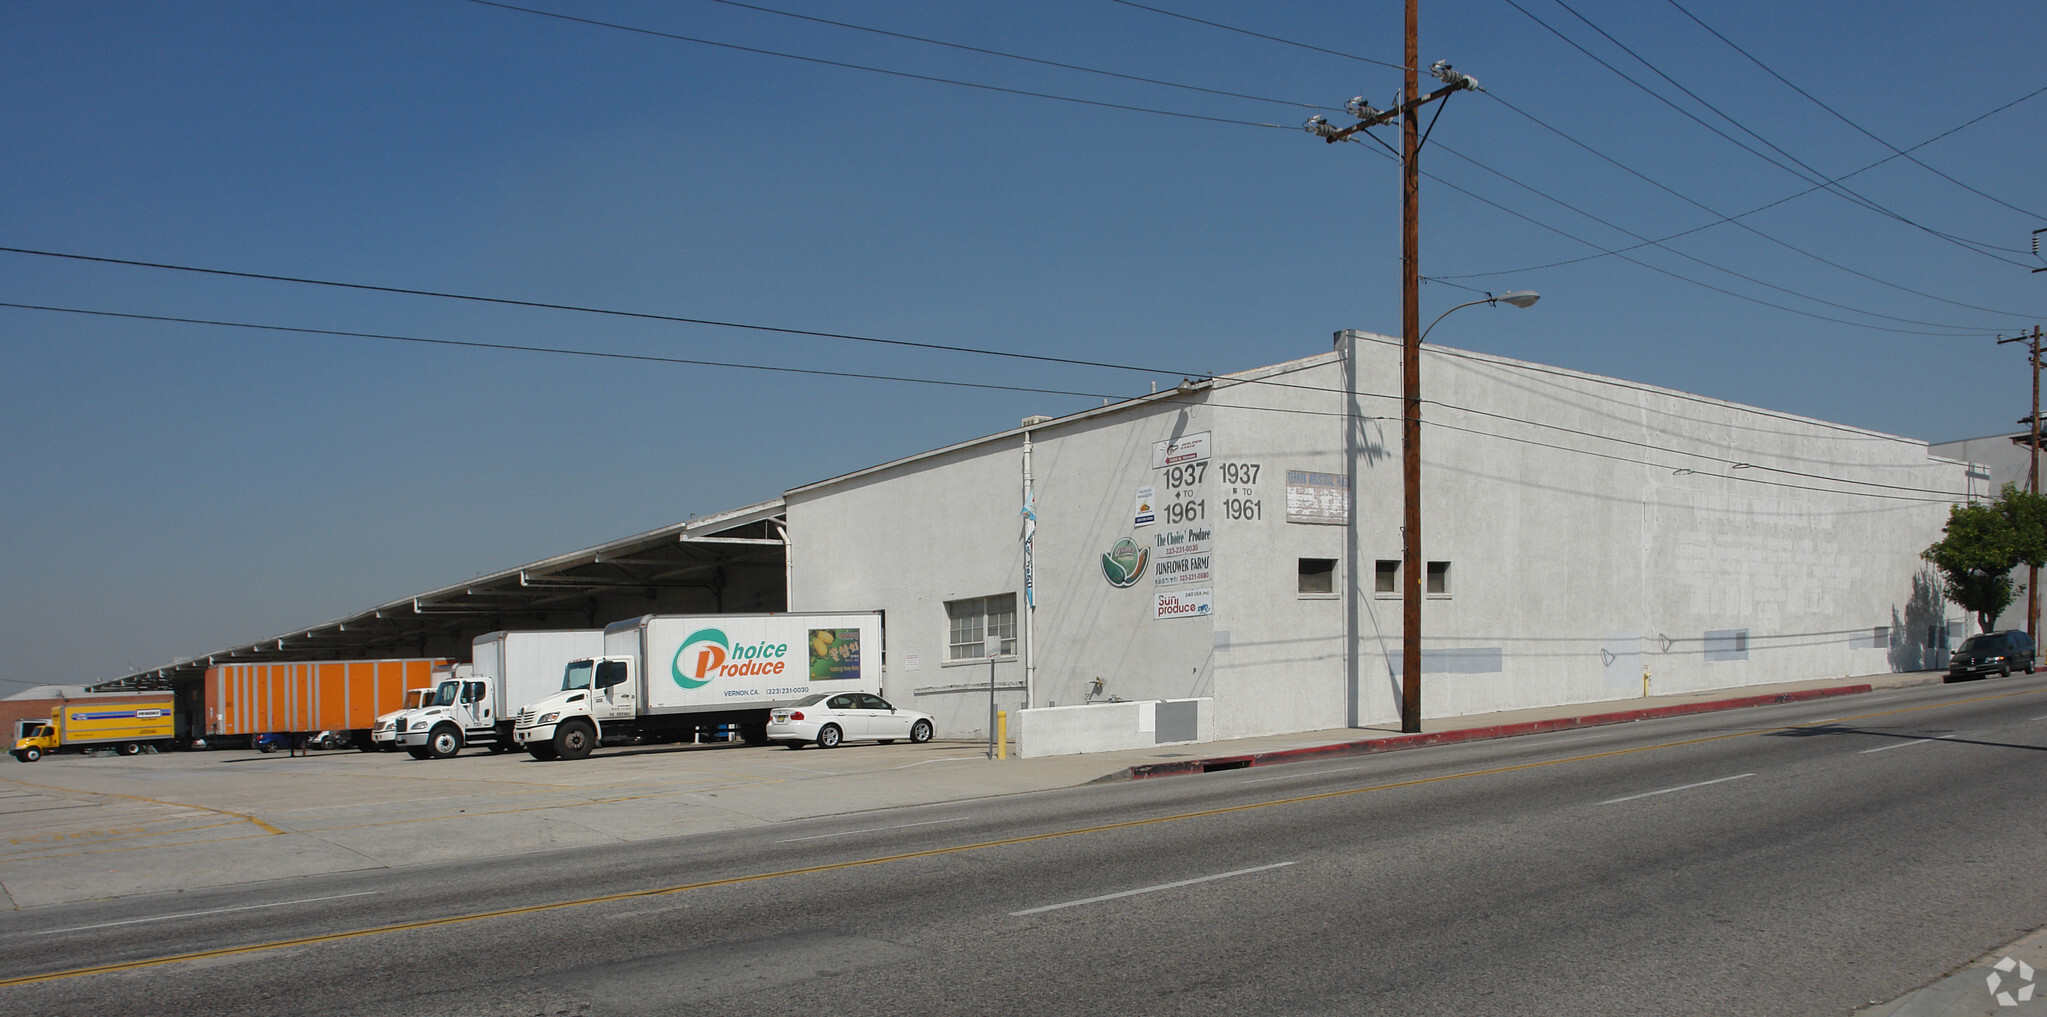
(1992,653)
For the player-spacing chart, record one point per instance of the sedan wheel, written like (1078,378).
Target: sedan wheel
(920,732)
(828,738)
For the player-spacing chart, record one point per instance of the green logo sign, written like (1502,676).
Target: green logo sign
(1124,564)
(712,649)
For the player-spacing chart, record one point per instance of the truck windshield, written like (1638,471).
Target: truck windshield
(446,694)
(36,731)
(577,675)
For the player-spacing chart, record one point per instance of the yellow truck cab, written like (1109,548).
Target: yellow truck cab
(34,742)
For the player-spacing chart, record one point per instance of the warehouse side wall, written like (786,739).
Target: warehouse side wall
(1224,542)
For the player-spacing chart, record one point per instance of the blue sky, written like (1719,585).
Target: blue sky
(173,488)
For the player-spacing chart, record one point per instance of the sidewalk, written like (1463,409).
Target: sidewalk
(81,827)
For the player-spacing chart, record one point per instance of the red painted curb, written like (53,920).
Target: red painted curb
(1394,743)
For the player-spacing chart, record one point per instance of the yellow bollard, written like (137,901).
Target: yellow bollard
(1645,681)
(1002,734)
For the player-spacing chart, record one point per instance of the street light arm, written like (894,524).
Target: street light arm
(1518,298)
(1486,300)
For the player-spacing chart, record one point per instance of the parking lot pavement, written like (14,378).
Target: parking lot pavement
(99,826)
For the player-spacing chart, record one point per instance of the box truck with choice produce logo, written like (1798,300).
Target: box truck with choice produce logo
(507,670)
(664,676)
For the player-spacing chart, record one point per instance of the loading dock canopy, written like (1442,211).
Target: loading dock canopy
(732,561)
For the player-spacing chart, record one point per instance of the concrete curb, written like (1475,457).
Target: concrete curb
(1394,743)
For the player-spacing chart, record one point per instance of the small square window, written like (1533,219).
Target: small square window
(1318,575)
(1387,579)
(1439,578)
(981,627)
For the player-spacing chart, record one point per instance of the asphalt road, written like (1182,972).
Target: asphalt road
(1804,859)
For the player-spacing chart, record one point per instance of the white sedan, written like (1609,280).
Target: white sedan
(829,718)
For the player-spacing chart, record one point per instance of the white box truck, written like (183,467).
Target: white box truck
(664,676)
(507,670)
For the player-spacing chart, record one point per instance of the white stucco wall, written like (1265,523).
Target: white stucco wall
(1593,527)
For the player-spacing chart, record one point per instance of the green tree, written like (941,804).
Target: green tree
(1982,544)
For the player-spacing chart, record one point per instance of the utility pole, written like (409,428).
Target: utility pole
(1411,567)
(1412,138)
(2032,473)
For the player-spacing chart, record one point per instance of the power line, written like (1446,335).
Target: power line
(1977,247)
(1872,205)
(615,26)
(1838,115)
(611,312)
(1259,35)
(1015,56)
(1701,261)
(1678,275)
(1736,218)
(1635,386)
(1941,498)
(1739,464)
(561,351)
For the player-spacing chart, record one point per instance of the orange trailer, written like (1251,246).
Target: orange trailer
(243,700)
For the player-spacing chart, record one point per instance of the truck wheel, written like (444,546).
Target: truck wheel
(542,751)
(443,742)
(920,732)
(499,746)
(418,752)
(128,749)
(828,737)
(366,745)
(574,740)
(30,754)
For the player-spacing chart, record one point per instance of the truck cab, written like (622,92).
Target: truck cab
(568,724)
(35,743)
(384,736)
(460,711)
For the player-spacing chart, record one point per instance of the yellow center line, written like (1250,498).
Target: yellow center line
(93,840)
(759,877)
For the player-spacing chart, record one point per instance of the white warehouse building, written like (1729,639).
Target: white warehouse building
(1222,559)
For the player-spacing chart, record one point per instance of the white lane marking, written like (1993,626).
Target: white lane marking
(941,759)
(215,911)
(2040,718)
(1665,791)
(1148,889)
(878,829)
(805,769)
(1309,773)
(1900,745)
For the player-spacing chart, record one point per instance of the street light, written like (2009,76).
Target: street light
(1518,298)
(1411,496)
